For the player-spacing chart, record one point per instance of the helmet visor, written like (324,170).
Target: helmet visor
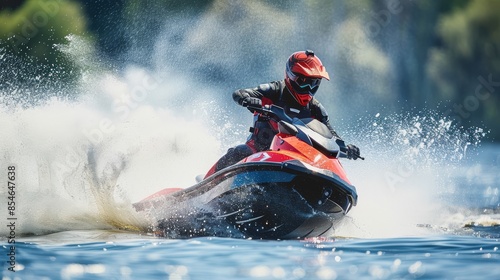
(303,85)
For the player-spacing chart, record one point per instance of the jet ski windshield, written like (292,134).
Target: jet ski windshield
(309,130)
(318,135)
(317,126)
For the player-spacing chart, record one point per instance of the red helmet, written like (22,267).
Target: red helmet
(303,75)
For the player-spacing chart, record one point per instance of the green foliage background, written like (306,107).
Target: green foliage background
(29,34)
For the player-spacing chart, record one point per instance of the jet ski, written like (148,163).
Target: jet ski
(295,190)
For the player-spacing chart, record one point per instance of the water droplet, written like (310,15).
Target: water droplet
(414,268)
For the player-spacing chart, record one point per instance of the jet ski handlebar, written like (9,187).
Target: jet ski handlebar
(280,114)
(272,110)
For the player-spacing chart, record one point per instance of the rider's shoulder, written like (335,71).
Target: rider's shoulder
(269,87)
(315,102)
(317,107)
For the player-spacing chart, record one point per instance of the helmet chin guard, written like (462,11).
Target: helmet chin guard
(303,75)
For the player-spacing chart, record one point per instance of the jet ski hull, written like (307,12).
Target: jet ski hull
(267,200)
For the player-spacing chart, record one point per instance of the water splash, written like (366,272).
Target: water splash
(412,160)
(82,162)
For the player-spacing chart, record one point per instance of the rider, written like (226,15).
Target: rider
(295,94)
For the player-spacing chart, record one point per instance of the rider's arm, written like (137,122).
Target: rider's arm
(242,94)
(262,91)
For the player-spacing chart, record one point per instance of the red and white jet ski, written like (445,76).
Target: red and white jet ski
(295,190)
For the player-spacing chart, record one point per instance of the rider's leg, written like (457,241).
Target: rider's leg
(233,155)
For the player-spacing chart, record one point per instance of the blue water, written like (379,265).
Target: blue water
(464,243)
(126,256)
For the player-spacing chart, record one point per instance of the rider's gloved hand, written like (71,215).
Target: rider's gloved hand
(353,152)
(251,102)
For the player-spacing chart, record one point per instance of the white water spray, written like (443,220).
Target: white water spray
(81,164)
(410,169)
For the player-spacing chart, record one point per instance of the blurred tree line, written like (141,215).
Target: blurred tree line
(30,31)
(426,53)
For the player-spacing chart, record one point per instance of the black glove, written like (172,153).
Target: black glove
(353,152)
(252,102)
